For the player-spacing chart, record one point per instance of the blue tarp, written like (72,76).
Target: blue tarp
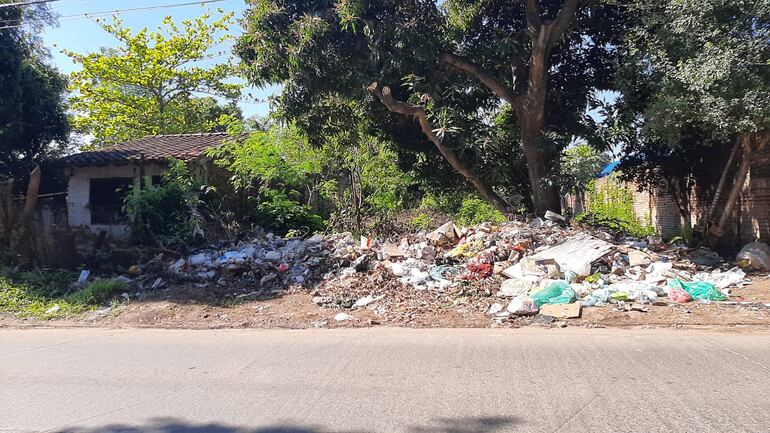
(608,169)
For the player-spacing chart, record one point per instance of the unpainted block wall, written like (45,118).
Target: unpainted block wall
(78,210)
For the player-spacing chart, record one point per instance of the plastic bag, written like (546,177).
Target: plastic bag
(699,290)
(755,255)
(679,295)
(558,292)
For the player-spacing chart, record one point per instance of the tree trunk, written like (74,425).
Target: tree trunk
(722,181)
(735,191)
(541,157)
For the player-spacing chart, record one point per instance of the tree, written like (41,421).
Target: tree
(453,66)
(697,75)
(33,121)
(147,85)
(580,164)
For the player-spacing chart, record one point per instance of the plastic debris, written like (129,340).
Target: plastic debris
(558,292)
(698,290)
(522,306)
(754,255)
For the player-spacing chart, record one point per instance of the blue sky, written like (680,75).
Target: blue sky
(82,34)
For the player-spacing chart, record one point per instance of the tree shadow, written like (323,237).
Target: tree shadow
(169,425)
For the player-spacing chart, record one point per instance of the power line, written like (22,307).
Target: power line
(32,2)
(118,11)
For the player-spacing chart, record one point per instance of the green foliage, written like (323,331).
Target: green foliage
(146,85)
(279,157)
(580,165)
(326,54)
(166,214)
(611,204)
(96,292)
(448,204)
(33,120)
(476,211)
(280,213)
(704,63)
(420,222)
(35,293)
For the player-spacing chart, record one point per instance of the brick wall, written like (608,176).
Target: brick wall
(750,219)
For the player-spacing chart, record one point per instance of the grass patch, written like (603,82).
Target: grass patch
(44,294)
(96,292)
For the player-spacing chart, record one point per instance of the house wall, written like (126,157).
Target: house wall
(78,211)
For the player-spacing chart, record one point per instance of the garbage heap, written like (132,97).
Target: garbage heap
(515,269)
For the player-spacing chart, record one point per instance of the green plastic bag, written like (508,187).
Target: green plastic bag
(698,290)
(558,292)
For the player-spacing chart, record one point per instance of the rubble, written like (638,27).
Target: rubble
(508,271)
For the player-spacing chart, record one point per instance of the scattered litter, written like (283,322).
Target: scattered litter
(53,309)
(508,270)
(341,317)
(83,277)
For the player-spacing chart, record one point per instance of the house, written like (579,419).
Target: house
(100,179)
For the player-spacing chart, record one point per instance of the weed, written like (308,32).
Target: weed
(96,292)
(475,211)
(420,222)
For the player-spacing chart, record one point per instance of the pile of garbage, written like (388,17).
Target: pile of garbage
(542,266)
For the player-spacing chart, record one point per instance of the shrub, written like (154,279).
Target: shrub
(475,211)
(278,212)
(420,222)
(448,204)
(611,204)
(166,214)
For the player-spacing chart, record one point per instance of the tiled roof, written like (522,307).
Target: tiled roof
(153,148)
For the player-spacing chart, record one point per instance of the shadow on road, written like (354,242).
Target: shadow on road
(166,425)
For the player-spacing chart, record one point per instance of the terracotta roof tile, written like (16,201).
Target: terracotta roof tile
(153,147)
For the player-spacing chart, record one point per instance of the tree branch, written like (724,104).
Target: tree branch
(562,21)
(533,18)
(498,88)
(419,112)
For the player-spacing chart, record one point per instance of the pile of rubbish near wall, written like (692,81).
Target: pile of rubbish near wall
(515,269)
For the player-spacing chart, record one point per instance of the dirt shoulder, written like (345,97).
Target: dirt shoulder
(191,308)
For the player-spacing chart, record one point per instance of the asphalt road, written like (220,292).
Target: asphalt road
(383,380)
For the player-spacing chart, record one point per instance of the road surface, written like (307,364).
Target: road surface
(383,380)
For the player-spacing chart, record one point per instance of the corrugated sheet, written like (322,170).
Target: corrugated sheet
(153,148)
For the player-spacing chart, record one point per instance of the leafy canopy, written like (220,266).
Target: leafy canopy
(699,65)
(33,121)
(147,85)
(323,51)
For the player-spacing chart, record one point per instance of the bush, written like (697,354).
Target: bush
(420,222)
(166,214)
(611,205)
(448,204)
(475,211)
(280,213)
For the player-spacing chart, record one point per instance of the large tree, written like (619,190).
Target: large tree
(33,121)
(152,81)
(696,77)
(455,66)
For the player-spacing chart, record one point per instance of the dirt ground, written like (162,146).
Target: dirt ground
(189,307)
